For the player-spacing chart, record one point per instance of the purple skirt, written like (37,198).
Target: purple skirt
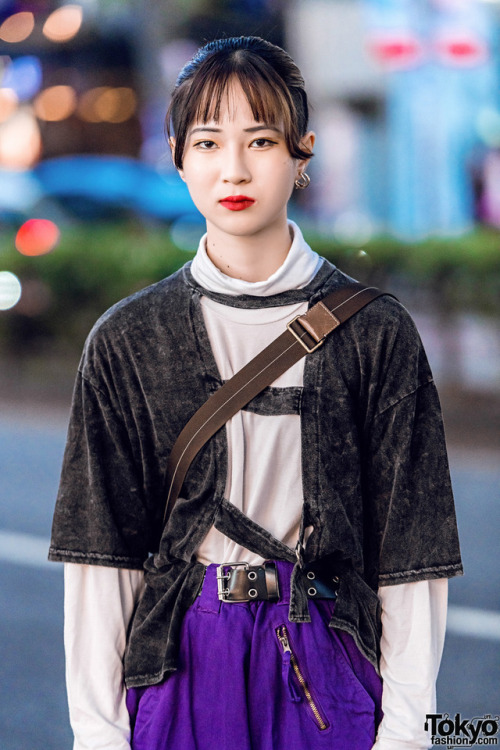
(248,679)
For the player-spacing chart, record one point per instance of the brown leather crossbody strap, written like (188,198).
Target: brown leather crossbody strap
(304,334)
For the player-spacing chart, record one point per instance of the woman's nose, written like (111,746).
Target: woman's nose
(235,168)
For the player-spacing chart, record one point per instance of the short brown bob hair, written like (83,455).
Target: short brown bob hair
(272,83)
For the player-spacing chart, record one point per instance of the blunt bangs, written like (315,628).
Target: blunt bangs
(206,86)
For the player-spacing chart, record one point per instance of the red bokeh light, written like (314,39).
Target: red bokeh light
(37,237)
(396,50)
(462,51)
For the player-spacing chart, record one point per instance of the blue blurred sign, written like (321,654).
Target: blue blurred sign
(441,71)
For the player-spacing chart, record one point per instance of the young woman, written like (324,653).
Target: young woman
(344,454)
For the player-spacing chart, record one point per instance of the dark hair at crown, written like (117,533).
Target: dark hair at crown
(272,83)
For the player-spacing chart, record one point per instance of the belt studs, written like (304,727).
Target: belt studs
(252,592)
(311,591)
(252,575)
(311,575)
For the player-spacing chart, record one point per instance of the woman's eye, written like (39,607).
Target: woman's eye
(205,145)
(261,142)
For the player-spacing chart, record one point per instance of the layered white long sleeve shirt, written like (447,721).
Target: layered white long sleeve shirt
(264,481)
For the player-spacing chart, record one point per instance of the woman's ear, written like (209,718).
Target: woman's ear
(171,143)
(307,143)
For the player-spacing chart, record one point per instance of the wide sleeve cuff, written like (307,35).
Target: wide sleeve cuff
(98,605)
(413,630)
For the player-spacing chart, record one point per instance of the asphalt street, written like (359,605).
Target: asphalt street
(33,712)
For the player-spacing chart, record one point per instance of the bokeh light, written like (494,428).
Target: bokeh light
(64,23)
(55,103)
(86,105)
(24,77)
(396,50)
(461,49)
(8,103)
(10,290)
(106,104)
(18,27)
(37,237)
(20,141)
(116,105)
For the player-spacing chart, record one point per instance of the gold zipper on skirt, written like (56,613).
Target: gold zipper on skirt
(282,634)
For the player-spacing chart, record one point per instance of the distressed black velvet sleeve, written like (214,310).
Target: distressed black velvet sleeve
(414,516)
(100,515)
(140,379)
(407,476)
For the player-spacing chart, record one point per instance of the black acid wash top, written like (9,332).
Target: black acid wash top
(376,484)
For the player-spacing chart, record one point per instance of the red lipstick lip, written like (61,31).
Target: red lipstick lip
(237,198)
(237,202)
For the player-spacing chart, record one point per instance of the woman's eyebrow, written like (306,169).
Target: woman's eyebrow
(255,129)
(262,127)
(205,129)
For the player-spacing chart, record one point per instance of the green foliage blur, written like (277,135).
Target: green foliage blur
(94,266)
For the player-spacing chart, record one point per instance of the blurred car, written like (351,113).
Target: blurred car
(90,187)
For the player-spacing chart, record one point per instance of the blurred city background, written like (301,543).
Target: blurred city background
(405,193)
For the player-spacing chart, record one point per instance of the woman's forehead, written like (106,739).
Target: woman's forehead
(233,102)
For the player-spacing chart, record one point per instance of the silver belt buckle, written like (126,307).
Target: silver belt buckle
(222,592)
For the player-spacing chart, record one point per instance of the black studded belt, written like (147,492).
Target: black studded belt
(321,583)
(241,582)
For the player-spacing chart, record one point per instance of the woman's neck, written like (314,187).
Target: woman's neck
(250,258)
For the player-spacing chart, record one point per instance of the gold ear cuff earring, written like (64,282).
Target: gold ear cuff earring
(302,181)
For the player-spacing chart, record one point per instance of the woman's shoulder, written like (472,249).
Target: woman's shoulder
(141,308)
(382,344)
(386,311)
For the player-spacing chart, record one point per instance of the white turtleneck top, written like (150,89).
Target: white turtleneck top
(264,463)
(264,481)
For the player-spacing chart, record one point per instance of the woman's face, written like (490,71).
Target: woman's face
(239,172)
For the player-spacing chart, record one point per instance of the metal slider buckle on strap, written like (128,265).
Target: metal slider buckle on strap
(300,336)
(314,326)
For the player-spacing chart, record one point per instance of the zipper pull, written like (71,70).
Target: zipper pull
(283,639)
(287,667)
